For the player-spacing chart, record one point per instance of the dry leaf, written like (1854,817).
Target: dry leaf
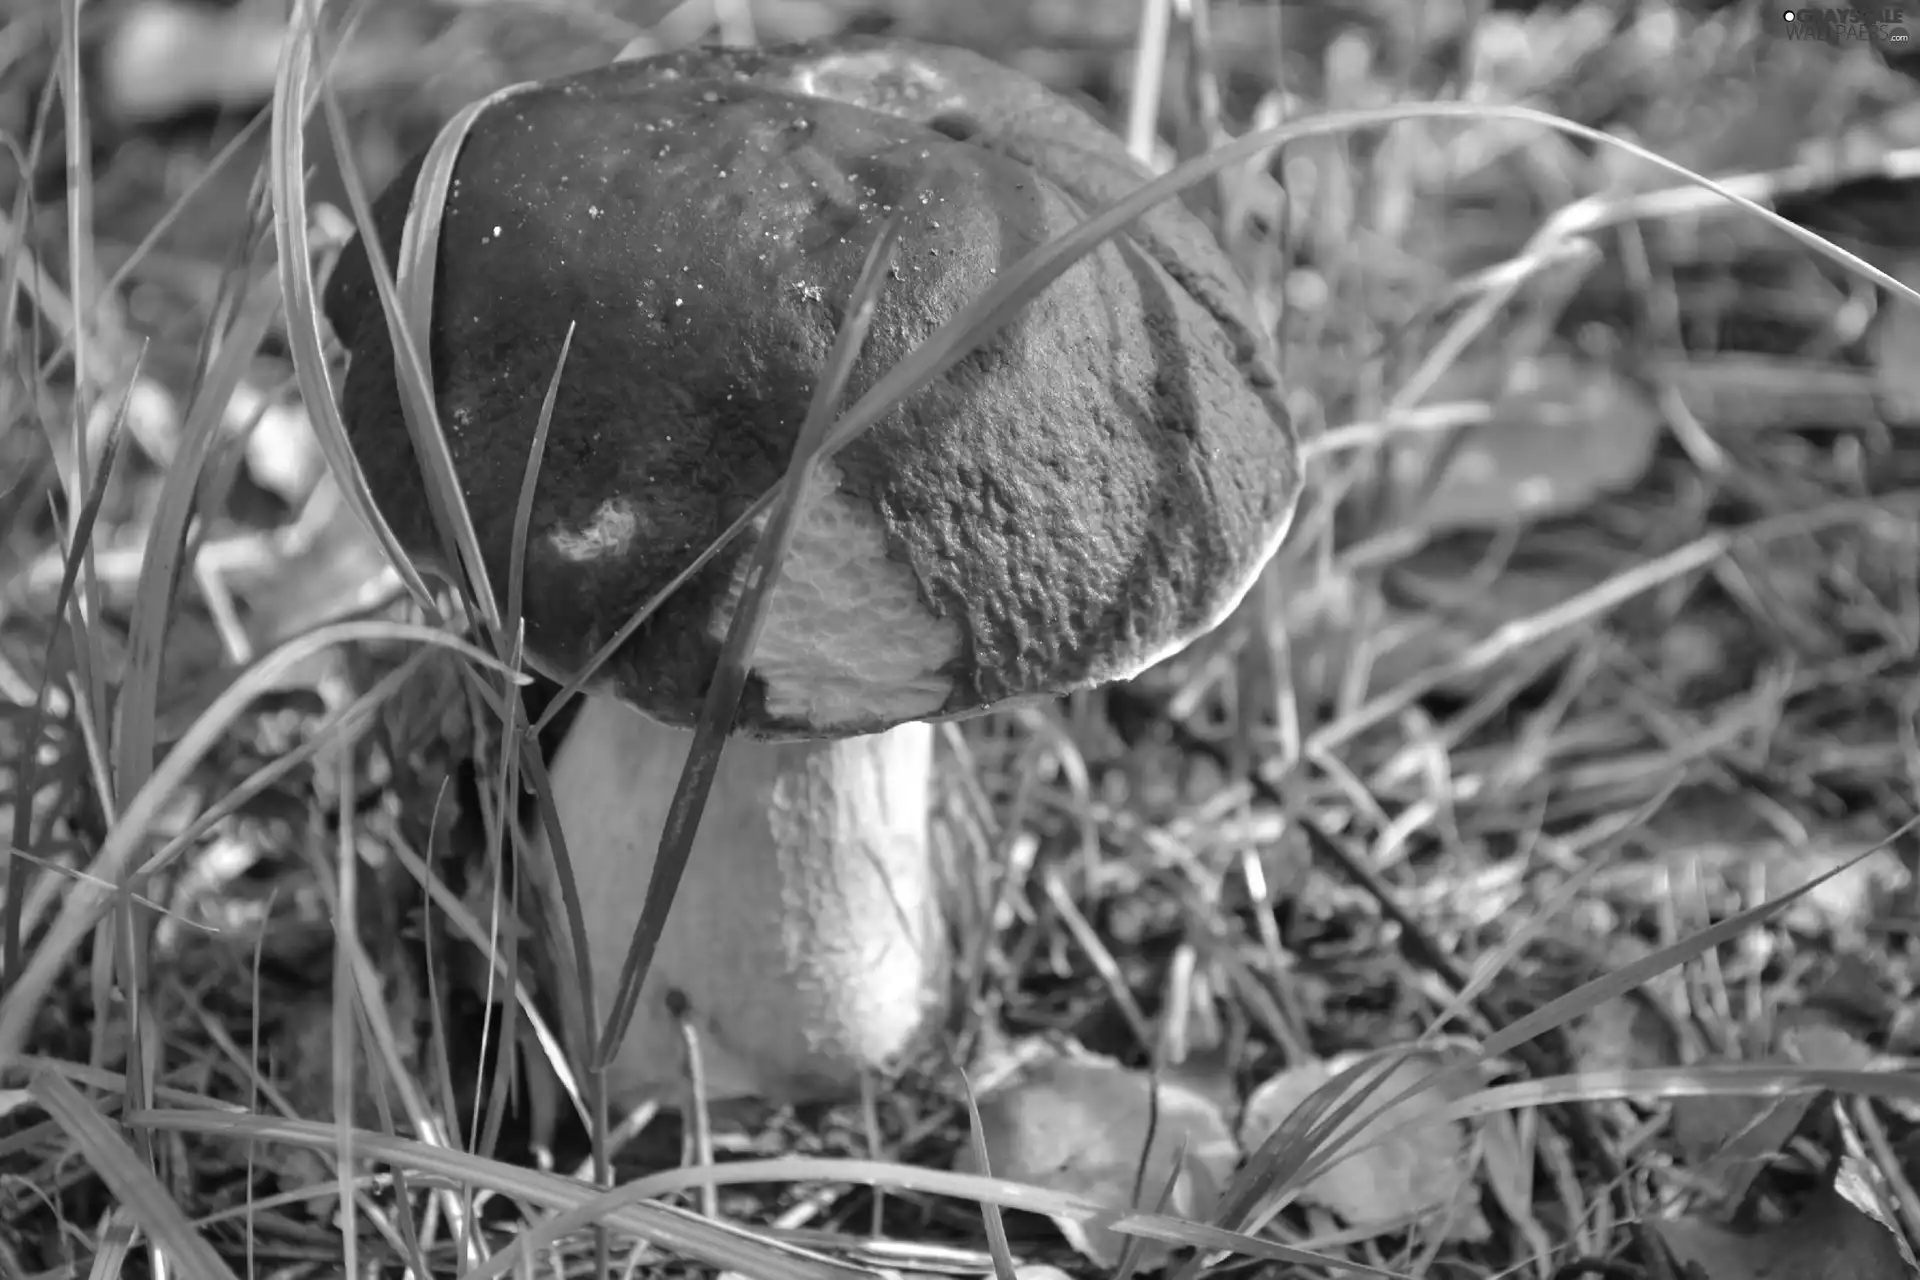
(1412,1174)
(1830,1240)
(1852,990)
(1080,1125)
(1815,1038)
(1728,1138)
(1861,1185)
(1626,1033)
(1563,432)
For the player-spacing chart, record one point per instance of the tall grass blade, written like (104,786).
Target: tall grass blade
(135,1187)
(287,170)
(529,484)
(166,542)
(13,879)
(749,616)
(406,298)
(998,1245)
(1274,1168)
(577,1007)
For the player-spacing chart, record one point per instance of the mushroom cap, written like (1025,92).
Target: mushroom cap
(1088,491)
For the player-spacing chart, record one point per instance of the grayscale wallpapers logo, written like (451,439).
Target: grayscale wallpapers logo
(1882,26)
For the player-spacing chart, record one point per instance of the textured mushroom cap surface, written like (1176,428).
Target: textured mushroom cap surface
(1093,487)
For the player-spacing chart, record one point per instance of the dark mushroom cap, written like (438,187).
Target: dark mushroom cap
(1086,493)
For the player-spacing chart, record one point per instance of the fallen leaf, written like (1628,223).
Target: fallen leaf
(1863,1187)
(1829,1240)
(1626,1033)
(1852,990)
(1815,1038)
(1728,1138)
(1563,431)
(1079,1124)
(1412,1174)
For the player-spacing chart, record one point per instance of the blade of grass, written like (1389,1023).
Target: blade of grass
(13,879)
(362,1016)
(1133,1253)
(1149,66)
(1275,1164)
(135,1187)
(1664,1084)
(749,616)
(529,483)
(346,898)
(521,754)
(406,298)
(91,666)
(166,540)
(578,1010)
(80,272)
(78,1073)
(287,169)
(998,1246)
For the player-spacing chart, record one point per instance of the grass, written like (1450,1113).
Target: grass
(1491,779)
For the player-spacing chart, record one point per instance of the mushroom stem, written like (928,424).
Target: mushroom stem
(806,940)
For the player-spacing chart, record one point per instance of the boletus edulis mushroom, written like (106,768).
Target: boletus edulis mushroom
(1091,489)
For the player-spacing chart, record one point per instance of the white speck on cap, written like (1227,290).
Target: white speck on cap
(608,533)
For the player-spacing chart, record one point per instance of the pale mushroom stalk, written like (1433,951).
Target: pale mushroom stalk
(806,939)
(1096,485)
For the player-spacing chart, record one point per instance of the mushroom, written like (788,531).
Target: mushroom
(1094,487)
